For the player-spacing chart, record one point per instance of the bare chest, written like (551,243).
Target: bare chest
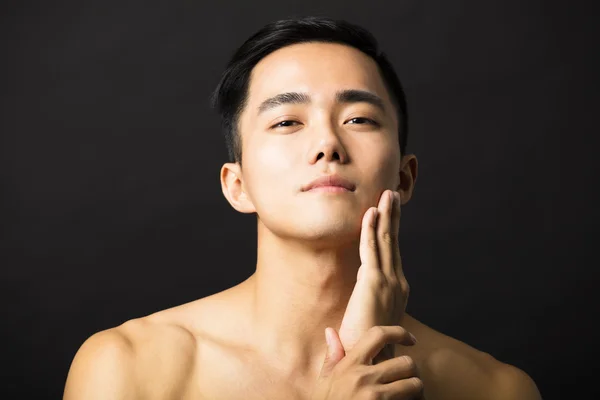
(224,377)
(228,379)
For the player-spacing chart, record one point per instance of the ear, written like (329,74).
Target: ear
(409,169)
(232,185)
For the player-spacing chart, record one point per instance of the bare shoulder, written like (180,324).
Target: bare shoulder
(452,369)
(513,383)
(142,358)
(105,360)
(462,372)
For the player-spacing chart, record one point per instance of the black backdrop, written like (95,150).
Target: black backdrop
(111,204)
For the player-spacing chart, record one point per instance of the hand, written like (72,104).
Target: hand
(352,376)
(381,291)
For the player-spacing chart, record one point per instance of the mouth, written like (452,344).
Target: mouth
(329,189)
(330,184)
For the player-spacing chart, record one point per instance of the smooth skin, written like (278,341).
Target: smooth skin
(323,265)
(353,376)
(379,298)
(381,292)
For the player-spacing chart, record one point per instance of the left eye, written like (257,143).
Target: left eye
(361,120)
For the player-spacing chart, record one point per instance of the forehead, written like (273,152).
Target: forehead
(319,69)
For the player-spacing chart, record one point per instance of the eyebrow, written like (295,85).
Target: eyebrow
(341,96)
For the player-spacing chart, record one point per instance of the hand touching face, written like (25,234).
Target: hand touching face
(381,291)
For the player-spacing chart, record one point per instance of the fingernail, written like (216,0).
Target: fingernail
(414,339)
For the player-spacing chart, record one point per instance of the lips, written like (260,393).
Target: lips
(330,180)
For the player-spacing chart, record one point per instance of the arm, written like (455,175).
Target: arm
(103,368)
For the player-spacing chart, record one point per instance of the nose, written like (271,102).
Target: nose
(329,148)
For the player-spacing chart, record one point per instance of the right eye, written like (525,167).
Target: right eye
(284,124)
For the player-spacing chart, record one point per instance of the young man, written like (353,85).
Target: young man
(315,120)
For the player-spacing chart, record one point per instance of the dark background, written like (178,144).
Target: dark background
(111,202)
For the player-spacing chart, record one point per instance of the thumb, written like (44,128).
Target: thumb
(335,351)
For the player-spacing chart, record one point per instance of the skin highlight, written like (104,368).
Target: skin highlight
(308,242)
(320,254)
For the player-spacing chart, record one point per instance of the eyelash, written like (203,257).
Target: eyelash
(372,122)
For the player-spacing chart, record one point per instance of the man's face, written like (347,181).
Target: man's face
(287,146)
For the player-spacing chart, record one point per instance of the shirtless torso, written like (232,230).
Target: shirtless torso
(197,351)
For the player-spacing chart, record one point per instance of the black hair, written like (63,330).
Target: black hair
(231,95)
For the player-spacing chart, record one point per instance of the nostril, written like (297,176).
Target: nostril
(333,156)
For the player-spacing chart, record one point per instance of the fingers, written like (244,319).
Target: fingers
(388,226)
(335,352)
(396,214)
(387,237)
(394,369)
(369,255)
(371,343)
(411,388)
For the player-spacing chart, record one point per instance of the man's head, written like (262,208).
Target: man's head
(306,98)
(231,95)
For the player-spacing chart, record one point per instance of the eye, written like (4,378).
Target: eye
(360,121)
(284,124)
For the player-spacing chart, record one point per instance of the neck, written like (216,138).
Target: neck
(298,290)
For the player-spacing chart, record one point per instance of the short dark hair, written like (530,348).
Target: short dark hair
(231,95)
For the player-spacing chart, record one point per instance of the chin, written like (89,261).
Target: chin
(326,224)
(329,229)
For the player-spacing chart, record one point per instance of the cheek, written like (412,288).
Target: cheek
(274,154)
(271,172)
(383,164)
